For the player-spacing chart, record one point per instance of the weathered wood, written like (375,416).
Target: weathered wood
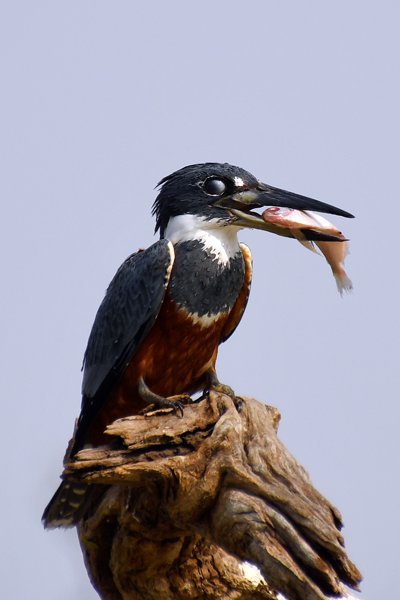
(187,500)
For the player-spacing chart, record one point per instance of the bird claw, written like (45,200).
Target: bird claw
(226,389)
(178,402)
(157,408)
(238,402)
(222,388)
(178,408)
(158,403)
(217,386)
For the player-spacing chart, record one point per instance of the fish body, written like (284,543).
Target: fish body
(296,223)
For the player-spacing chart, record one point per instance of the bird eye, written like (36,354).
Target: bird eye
(214,187)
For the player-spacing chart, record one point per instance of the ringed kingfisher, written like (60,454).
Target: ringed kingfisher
(156,334)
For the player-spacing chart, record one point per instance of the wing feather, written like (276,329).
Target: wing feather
(127,313)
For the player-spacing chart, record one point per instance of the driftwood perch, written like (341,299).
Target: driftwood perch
(185,501)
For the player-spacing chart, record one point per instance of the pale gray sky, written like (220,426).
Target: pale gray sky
(99,101)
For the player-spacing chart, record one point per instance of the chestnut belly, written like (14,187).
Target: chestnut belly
(174,358)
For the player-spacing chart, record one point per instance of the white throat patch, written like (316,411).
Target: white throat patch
(218,239)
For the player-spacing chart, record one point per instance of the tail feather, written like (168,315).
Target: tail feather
(68,504)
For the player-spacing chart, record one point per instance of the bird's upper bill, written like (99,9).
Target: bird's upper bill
(230,195)
(244,204)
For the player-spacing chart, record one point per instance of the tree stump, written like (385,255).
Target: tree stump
(210,505)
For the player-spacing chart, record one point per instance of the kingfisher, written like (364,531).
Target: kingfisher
(155,337)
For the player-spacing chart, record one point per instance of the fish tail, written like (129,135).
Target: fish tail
(343,282)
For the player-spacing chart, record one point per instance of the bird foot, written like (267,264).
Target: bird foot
(166,405)
(217,386)
(158,403)
(222,388)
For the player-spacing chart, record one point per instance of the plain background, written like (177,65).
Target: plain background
(99,100)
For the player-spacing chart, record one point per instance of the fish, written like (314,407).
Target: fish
(307,227)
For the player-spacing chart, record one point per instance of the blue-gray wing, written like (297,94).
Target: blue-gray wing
(128,311)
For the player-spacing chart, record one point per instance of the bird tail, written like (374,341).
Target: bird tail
(68,504)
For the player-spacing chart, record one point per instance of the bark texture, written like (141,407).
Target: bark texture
(183,504)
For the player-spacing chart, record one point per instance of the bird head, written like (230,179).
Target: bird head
(225,195)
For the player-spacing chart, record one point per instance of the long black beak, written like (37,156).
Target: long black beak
(275,197)
(266,195)
(241,205)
